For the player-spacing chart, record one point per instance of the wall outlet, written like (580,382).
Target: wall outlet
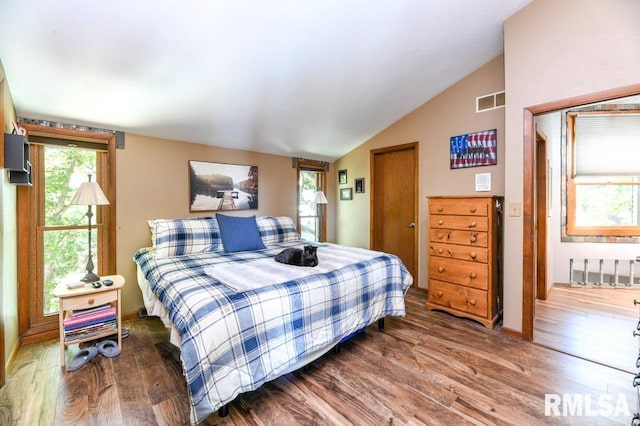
(514,209)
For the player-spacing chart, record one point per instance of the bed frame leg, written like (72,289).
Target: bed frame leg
(381,324)
(223,411)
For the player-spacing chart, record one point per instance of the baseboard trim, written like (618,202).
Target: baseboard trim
(13,355)
(512,333)
(129,316)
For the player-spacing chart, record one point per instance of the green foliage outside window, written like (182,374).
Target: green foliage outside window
(65,250)
(606,205)
(307,208)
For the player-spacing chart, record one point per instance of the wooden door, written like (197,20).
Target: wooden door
(394,204)
(542,185)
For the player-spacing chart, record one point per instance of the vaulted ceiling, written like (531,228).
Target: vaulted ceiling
(310,78)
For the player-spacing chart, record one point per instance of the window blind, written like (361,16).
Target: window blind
(607,145)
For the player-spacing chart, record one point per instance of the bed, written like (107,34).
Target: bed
(236,334)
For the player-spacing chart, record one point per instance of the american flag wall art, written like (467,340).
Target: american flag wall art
(474,149)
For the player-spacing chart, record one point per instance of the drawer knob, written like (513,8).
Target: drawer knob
(440,209)
(472,302)
(440,269)
(90,301)
(473,254)
(440,250)
(473,224)
(472,209)
(474,238)
(473,275)
(439,293)
(439,235)
(440,222)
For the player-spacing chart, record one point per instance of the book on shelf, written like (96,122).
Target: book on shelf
(88,332)
(90,322)
(88,318)
(92,310)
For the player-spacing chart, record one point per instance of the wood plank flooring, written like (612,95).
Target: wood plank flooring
(428,368)
(592,323)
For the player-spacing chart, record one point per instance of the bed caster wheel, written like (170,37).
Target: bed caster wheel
(223,411)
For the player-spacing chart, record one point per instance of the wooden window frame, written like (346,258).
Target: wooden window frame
(33,325)
(312,166)
(572,230)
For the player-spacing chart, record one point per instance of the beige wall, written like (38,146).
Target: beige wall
(556,50)
(153,182)
(449,114)
(8,237)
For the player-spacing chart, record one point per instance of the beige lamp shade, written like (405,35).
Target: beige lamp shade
(89,194)
(320,198)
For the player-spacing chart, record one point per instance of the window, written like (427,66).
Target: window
(63,252)
(603,179)
(311,218)
(54,249)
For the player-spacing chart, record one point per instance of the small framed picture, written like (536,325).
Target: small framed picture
(342,176)
(359,183)
(346,193)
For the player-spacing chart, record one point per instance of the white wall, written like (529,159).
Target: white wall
(8,236)
(8,268)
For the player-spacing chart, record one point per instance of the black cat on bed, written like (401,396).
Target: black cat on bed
(299,257)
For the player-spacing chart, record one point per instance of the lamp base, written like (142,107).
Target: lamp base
(90,278)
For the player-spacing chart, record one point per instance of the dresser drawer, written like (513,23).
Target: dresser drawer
(88,300)
(454,251)
(460,298)
(470,274)
(471,223)
(460,206)
(452,236)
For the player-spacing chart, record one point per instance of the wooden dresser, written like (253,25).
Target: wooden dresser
(464,257)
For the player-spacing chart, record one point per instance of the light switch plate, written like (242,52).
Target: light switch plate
(514,209)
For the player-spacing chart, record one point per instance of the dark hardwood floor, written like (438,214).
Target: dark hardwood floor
(427,368)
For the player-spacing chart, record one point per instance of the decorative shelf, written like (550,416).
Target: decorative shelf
(16,159)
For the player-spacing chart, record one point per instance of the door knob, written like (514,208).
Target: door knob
(412,225)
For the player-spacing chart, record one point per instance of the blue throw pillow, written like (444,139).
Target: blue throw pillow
(239,233)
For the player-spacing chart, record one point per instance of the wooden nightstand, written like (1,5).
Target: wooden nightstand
(88,297)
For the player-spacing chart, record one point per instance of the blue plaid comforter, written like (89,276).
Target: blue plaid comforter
(235,342)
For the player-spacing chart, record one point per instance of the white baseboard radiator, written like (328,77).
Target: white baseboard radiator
(604,272)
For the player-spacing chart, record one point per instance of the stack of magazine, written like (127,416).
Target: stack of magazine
(91,322)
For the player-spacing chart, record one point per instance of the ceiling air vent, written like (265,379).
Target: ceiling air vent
(489,102)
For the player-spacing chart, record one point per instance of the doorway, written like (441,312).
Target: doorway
(562,302)
(394,203)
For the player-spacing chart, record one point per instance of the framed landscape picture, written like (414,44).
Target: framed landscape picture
(218,186)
